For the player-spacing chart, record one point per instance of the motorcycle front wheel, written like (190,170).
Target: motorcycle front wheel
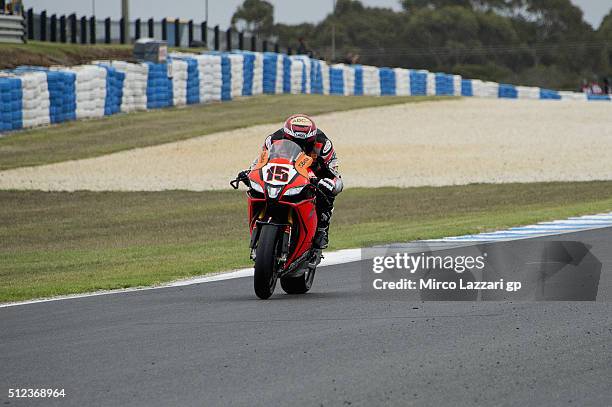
(264,280)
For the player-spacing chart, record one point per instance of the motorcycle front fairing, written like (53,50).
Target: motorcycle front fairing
(280,194)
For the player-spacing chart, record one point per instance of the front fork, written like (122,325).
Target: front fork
(285,239)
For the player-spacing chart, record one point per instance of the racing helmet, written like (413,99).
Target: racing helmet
(300,128)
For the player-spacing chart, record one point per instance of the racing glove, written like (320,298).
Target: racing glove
(243,174)
(327,185)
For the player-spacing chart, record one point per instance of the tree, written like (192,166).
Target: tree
(255,17)
(604,33)
(482,5)
(414,5)
(605,29)
(538,42)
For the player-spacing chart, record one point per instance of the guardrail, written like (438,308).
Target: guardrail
(12,29)
(34,96)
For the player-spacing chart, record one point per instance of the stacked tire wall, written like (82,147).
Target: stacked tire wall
(35,96)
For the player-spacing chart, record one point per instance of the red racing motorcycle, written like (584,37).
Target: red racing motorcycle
(283,219)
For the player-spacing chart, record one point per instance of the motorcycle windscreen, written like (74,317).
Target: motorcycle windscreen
(285,149)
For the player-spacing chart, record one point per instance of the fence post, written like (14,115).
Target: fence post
(43,25)
(241,41)
(63,29)
(137,29)
(216,38)
(164,29)
(53,28)
(190,32)
(228,39)
(121,31)
(276,48)
(73,28)
(92,30)
(107,30)
(205,33)
(254,43)
(83,30)
(264,46)
(177,32)
(289,51)
(151,28)
(30,18)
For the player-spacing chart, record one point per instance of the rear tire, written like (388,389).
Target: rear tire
(298,285)
(264,280)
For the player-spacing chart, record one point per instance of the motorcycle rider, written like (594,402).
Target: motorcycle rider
(303,131)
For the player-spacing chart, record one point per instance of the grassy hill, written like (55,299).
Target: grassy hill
(48,53)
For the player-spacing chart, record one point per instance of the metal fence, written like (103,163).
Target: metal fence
(12,28)
(178,33)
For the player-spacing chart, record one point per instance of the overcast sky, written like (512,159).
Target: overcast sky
(220,11)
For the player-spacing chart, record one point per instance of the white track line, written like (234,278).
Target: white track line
(573,224)
(330,259)
(557,227)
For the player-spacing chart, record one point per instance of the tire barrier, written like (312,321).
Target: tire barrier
(507,91)
(90,91)
(60,93)
(252,74)
(358,80)
(457,85)
(179,81)
(430,84)
(549,94)
(387,82)
(134,96)
(226,78)
(319,77)
(236,63)
(402,82)
(445,84)
(466,88)
(211,77)
(371,81)
(36,96)
(343,80)
(11,101)
(527,92)
(336,80)
(159,85)
(485,89)
(193,81)
(114,90)
(418,83)
(273,73)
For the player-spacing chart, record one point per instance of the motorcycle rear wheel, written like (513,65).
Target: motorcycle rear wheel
(264,281)
(300,284)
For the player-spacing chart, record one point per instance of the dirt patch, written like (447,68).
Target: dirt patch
(441,143)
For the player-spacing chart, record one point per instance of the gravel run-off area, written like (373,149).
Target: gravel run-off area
(432,143)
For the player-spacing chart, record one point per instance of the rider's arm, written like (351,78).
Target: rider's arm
(329,166)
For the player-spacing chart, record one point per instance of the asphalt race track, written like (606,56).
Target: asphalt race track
(216,344)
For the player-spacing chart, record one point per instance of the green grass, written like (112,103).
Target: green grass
(61,243)
(91,138)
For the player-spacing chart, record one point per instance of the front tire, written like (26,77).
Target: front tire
(300,284)
(264,280)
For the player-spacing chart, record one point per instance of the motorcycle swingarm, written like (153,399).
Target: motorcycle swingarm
(299,266)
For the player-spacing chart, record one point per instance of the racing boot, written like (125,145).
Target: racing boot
(321,238)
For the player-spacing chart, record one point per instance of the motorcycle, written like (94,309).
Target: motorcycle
(283,219)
